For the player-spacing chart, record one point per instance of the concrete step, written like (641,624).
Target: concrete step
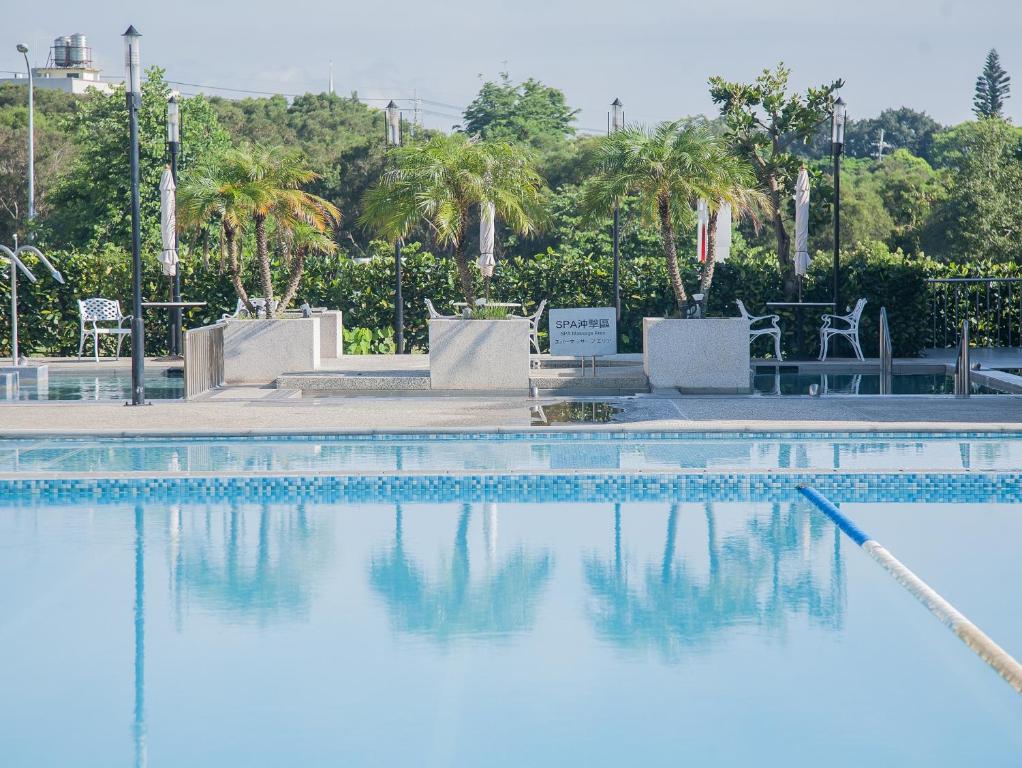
(336,381)
(617,379)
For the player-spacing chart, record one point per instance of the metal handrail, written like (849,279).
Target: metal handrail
(963,369)
(886,355)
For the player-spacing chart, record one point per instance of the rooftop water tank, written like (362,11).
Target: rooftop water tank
(78,52)
(61,46)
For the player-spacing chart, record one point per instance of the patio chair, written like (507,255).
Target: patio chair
(434,315)
(241,311)
(95,311)
(771,330)
(851,332)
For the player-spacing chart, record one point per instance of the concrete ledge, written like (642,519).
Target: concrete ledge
(258,351)
(337,382)
(708,356)
(331,334)
(479,355)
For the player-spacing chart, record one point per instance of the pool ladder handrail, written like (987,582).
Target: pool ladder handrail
(886,358)
(963,367)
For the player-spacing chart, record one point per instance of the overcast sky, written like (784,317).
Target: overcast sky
(656,55)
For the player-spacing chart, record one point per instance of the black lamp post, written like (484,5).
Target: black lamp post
(133,92)
(616,121)
(174,146)
(394,140)
(837,139)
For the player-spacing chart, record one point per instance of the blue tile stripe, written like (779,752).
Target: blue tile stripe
(978,487)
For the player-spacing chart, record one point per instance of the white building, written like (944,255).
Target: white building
(69,68)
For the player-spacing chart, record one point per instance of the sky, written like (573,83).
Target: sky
(655,55)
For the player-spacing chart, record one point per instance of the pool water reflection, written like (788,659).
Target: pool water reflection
(230,633)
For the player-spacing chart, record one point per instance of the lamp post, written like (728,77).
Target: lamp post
(394,140)
(23,50)
(133,93)
(616,121)
(173,147)
(837,139)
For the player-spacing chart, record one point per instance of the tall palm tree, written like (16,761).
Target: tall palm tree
(262,185)
(439,181)
(667,168)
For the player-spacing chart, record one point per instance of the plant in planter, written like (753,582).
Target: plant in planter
(438,183)
(260,187)
(668,169)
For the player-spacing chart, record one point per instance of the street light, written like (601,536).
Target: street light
(615,122)
(837,140)
(133,94)
(23,50)
(174,146)
(393,127)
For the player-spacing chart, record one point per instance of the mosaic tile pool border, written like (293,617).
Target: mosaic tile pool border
(509,435)
(979,487)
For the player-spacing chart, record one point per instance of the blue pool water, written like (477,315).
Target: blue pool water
(326,627)
(106,385)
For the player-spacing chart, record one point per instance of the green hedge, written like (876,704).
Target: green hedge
(364,291)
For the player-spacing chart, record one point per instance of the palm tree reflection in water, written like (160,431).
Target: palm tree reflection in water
(759,576)
(498,602)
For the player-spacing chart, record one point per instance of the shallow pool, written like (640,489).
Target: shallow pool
(791,383)
(106,385)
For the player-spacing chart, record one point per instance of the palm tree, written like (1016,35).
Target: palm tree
(262,185)
(439,181)
(667,168)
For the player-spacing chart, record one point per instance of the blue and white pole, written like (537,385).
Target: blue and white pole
(982,645)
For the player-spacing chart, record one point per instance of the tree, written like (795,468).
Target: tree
(993,87)
(529,112)
(442,180)
(978,215)
(902,128)
(262,185)
(765,123)
(88,207)
(667,168)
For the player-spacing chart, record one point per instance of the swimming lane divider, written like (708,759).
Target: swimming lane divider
(981,644)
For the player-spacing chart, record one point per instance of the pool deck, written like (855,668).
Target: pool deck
(268,410)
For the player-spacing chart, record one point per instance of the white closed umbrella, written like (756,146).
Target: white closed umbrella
(802,224)
(168,223)
(702,223)
(487,262)
(722,234)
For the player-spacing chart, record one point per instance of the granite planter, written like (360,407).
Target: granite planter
(479,355)
(258,351)
(710,355)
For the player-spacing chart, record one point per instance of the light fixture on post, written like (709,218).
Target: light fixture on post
(133,93)
(23,50)
(174,147)
(393,127)
(837,141)
(615,122)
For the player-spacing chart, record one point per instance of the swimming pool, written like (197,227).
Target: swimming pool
(675,600)
(792,383)
(105,385)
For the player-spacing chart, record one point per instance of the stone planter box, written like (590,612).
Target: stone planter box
(697,356)
(479,355)
(258,351)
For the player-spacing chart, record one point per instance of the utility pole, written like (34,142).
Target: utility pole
(881,145)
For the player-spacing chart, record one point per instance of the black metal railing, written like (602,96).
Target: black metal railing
(992,305)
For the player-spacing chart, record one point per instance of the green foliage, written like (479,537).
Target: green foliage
(978,216)
(369,341)
(489,313)
(529,112)
(89,207)
(993,86)
(903,129)
(764,124)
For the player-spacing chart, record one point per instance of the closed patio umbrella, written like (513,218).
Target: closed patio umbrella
(168,223)
(486,260)
(702,223)
(722,235)
(801,227)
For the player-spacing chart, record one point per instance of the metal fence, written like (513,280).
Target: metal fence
(992,305)
(204,359)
